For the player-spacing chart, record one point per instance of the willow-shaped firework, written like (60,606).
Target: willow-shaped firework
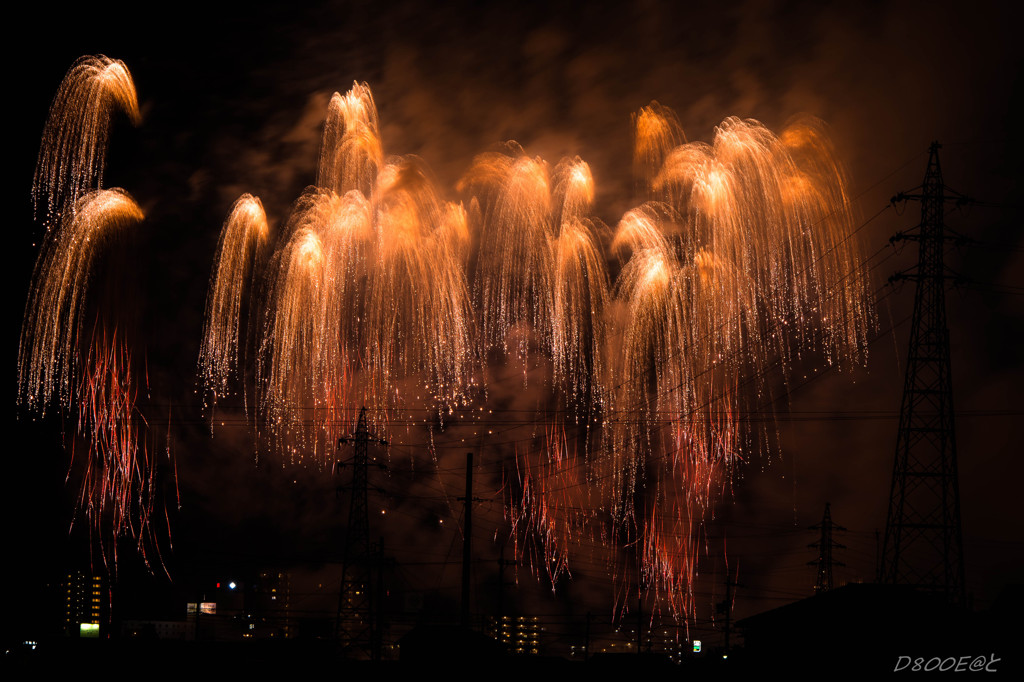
(367,289)
(51,334)
(540,265)
(74,146)
(742,257)
(242,237)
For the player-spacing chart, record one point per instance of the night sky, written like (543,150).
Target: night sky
(234,102)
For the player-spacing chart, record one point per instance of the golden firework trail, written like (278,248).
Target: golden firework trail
(540,265)
(351,154)
(290,370)
(368,294)
(74,146)
(48,355)
(418,320)
(241,239)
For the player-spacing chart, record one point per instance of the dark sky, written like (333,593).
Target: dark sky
(233,102)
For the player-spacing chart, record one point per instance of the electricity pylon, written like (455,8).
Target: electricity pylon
(923,544)
(825,546)
(358,618)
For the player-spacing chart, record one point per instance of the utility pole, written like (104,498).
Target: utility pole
(923,543)
(725,608)
(825,546)
(356,623)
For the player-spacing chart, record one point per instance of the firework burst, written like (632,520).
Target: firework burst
(382,293)
(540,265)
(48,358)
(74,146)
(367,289)
(243,236)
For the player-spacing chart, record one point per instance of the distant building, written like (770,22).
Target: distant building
(660,639)
(268,606)
(519,635)
(260,608)
(86,604)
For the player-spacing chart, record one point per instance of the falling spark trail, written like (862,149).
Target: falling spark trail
(118,489)
(74,144)
(241,239)
(48,355)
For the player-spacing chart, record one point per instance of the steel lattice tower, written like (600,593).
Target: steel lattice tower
(923,545)
(358,631)
(825,546)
